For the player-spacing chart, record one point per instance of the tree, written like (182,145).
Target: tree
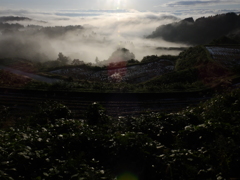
(77,62)
(49,111)
(96,114)
(97,60)
(132,61)
(62,59)
(121,54)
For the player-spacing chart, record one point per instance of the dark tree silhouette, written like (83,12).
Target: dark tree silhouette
(62,59)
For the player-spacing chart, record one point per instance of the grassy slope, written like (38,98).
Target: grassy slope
(195,70)
(21,64)
(8,79)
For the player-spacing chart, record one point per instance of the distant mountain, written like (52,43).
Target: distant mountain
(13,18)
(200,31)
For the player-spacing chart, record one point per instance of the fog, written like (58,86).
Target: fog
(85,37)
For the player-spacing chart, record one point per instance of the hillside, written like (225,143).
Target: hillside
(120,72)
(213,66)
(200,31)
(202,67)
(8,79)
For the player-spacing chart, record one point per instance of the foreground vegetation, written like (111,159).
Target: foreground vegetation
(197,143)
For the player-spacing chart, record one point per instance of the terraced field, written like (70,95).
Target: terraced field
(133,74)
(227,55)
(24,102)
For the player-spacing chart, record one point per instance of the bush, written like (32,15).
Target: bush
(4,115)
(49,111)
(96,114)
(196,143)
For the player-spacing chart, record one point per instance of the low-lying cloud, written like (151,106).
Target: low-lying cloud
(96,33)
(103,32)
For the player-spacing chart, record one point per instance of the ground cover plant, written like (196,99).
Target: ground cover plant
(196,143)
(8,79)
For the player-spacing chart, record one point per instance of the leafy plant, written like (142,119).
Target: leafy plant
(49,111)
(96,114)
(199,142)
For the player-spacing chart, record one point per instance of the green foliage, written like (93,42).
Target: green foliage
(214,141)
(4,115)
(49,111)
(62,59)
(183,80)
(132,62)
(199,142)
(53,151)
(169,57)
(192,57)
(184,76)
(51,65)
(96,114)
(224,40)
(8,79)
(21,64)
(37,85)
(151,58)
(62,85)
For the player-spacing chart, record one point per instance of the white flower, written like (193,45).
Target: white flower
(60,135)
(187,127)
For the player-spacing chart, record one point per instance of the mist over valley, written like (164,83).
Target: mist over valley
(83,38)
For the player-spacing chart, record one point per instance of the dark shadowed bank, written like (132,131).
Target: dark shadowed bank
(200,31)
(199,142)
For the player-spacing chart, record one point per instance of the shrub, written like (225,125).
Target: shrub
(96,114)
(49,111)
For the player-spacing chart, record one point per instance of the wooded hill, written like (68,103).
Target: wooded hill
(200,31)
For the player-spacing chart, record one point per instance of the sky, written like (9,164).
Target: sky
(178,7)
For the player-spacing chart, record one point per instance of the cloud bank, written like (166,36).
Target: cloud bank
(103,32)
